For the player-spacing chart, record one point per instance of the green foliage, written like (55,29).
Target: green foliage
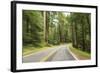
(32,27)
(80,23)
(46,28)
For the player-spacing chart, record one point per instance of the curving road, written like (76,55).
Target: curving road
(60,53)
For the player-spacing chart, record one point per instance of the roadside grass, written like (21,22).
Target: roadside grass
(81,55)
(30,49)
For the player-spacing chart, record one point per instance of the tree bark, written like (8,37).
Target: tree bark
(46,27)
(83,36)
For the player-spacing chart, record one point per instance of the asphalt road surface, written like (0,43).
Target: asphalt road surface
(59,53)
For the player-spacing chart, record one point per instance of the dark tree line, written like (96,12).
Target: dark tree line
(45,28)
(81,32)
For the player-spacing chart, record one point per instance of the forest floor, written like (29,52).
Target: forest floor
(81,55)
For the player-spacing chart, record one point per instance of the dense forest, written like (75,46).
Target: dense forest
(46,28)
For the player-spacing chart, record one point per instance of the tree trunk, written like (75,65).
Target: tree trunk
(76,36)
(83,36)
(72,33)
(46,27)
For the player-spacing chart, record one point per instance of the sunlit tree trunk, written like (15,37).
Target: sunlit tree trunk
(46,27)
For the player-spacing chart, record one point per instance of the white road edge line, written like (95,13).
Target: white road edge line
(72,53)
(34,53)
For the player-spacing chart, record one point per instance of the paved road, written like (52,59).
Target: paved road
(60,53)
